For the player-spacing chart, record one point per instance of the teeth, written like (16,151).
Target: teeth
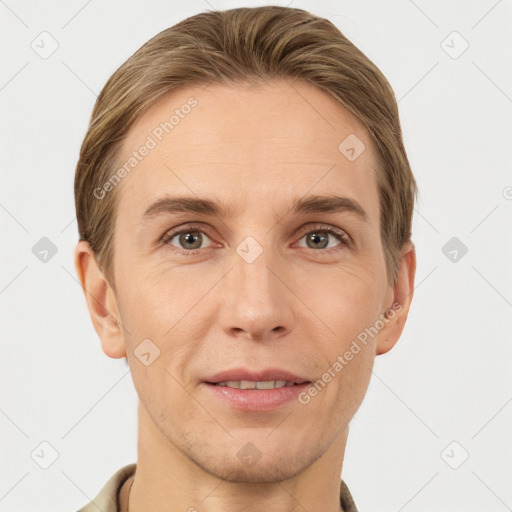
(268,384)
(250,384)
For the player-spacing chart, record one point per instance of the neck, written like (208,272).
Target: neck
(124,495)
(167,478)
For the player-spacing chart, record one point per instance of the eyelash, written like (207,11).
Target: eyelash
(342,236)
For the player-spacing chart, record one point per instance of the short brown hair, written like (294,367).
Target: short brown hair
(240,46)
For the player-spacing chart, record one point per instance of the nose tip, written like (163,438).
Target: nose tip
(260,334)
(255,300)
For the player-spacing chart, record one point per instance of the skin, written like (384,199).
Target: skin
(296,307)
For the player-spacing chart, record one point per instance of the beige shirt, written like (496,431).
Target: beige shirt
(107,499)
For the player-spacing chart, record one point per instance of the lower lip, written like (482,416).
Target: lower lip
(257,399)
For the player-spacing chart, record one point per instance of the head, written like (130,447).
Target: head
(244,199)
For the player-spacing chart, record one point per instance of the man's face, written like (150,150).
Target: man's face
(265,288)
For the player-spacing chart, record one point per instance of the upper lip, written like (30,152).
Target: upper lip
(257,376)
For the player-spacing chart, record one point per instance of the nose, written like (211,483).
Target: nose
(255,296)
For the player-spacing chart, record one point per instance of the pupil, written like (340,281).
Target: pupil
(315,237)
(190,239)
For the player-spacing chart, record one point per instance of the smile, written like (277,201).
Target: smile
(249,384)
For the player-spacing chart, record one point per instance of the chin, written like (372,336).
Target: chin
(261,473)
(275,467)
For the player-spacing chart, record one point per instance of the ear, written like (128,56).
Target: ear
(403,291)
(101,301)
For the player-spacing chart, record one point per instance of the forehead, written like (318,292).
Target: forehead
(246,142)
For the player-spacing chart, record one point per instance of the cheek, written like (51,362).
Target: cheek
(157,315)
(349,307)
(152,300)
(165,308)
(355,311)
(347,301)
(353,382)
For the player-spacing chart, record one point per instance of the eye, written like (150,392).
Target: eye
(188,240)
(318,237)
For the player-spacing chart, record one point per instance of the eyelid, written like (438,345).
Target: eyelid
(344,237)
(189,226)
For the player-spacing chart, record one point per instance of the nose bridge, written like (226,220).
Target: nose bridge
(253,262)
(256,303)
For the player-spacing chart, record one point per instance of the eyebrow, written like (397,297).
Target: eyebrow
(307,205)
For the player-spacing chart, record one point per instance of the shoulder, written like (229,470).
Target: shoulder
(346,500)
(107,500)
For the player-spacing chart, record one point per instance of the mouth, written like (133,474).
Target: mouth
(243,378)
(259,391)
(250,384)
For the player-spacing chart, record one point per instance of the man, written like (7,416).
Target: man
(244,203)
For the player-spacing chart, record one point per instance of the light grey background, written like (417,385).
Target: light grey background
(448,379)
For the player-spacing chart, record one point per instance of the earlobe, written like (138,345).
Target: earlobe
(101,301)
(403,291)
